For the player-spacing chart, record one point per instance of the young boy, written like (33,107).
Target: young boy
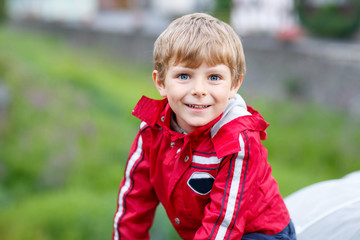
(198,151)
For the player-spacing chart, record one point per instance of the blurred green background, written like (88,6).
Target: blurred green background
(65,138)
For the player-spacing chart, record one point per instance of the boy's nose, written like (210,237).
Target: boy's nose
(199,89)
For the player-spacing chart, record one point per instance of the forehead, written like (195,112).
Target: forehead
(193,58)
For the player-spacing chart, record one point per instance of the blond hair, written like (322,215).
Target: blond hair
(197,38)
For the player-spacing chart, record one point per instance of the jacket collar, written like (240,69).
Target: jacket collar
(149,110)
(224,130)
(157,113)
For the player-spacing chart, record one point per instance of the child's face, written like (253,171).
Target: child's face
(196,96)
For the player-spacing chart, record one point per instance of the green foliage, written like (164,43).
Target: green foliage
(331,19)
(72,215)
(309,144)
(69,126)
(223,10)
(2,10)
(69,129)
(62,107)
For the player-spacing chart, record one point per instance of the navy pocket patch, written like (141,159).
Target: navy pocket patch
(201,182)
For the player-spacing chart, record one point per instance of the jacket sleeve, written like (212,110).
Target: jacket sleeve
(238,177)
(137,201)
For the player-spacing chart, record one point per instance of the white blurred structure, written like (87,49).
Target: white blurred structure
(262,16)
(247,16)
(328,210)
(181,7)
(53,10)
(88,10)
(126,16)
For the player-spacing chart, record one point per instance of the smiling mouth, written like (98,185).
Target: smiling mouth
(197,106)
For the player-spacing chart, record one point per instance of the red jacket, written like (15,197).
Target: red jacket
(214,183)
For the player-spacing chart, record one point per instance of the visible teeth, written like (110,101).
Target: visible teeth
(198,106)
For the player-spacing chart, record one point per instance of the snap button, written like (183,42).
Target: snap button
(178,150)
(186,158)
(172,144)
(162,118)
(177,221)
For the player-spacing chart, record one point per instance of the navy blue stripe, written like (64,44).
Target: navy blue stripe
(214,168)
(141,130)
(222,205)
(132,186)
(243,186)
(212,153)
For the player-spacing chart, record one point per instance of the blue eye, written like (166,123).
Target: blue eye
(183,76)
(214,78)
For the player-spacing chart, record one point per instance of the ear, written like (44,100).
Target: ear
(159,84)
(234,89)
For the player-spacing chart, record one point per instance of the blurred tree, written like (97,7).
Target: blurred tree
(223,10)
(2,10)
(332,19)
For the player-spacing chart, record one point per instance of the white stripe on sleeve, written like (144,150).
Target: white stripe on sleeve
(234,189)
(136,156)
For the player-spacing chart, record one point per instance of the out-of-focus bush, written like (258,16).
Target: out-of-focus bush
(222,10)
(71,215)
(330,18)
(2,11)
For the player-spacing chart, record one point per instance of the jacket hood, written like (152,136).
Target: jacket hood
(236,108)
(236,118)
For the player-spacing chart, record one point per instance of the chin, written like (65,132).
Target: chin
(199,124)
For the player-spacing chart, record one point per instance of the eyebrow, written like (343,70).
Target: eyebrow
(213,68)
(181,68)
(178,69)
(219,67)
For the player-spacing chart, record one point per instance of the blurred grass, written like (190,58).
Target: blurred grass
(309,143)
(69,128)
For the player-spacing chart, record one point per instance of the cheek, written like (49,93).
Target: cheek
(162,92)
(175,91)
(223,94)
(173,97)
